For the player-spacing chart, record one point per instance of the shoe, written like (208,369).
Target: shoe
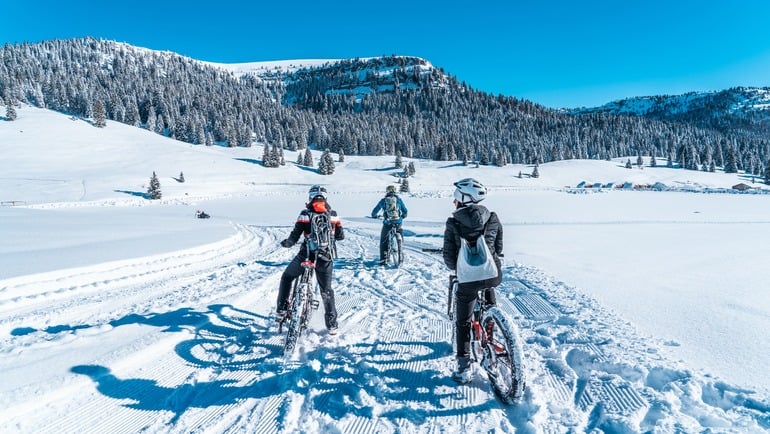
(333,330)
(463,374)
(280,316)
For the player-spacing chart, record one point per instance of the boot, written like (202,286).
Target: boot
(463,374)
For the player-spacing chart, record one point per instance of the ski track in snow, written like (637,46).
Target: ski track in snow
(192,347)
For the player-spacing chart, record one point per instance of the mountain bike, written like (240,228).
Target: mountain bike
(495,345)
(394,252)
(302,303)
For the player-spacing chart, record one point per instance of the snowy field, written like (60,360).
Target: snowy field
(641,311)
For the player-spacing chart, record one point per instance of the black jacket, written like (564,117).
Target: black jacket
(468,222)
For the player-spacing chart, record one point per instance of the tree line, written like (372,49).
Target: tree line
(391,105)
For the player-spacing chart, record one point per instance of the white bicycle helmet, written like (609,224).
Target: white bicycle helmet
(316,191)
(469,190)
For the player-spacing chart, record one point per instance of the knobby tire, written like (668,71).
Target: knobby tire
(295,322)
(503,357)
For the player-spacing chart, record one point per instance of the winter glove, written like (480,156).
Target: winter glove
(286,243)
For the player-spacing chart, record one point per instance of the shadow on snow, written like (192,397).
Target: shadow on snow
(239,342)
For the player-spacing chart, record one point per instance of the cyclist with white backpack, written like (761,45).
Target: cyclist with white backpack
(321,227)
(393,214)
(471,223)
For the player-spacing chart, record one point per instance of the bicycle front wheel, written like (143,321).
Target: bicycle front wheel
(296,318)
(503,356)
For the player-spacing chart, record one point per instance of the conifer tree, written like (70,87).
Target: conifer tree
(10,112)
(300,160)
(181,176)
(326,163)
(536,172)
(308,160)
(399,161)
(153,191)
(266,155)
(151,120)
(731,163)
(404,186)
(767,173)
(341,156)
(653,163)
(100,114)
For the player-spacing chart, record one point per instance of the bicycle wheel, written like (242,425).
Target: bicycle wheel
(503,356)
(400,250)
(393,253)
(295,321)
(452,314)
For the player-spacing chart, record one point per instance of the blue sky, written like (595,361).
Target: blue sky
(556,53)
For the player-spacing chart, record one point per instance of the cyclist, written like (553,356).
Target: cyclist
(323,265)
(469,221)
(393,212)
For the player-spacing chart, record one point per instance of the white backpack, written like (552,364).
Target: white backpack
(475,263)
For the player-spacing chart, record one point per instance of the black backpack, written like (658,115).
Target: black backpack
(321,238)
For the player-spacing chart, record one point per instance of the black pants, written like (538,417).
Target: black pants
(323,275)
(384,237)
(466,299)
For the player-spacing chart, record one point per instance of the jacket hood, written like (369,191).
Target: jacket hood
(319,206)
(472,217)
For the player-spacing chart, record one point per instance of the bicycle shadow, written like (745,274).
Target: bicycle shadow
(241,342)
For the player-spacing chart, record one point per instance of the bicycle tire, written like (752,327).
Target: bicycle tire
(393,253)
(452,313)
(295,321)
(503,356)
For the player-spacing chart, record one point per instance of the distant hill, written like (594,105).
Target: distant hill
(369,106)
(737,109)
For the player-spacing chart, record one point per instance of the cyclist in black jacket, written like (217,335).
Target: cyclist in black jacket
(323,265)
(468,221)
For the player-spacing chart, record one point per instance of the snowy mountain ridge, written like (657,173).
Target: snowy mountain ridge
(736,101)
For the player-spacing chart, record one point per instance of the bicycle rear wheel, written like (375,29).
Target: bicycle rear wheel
(503,356)
(296,313)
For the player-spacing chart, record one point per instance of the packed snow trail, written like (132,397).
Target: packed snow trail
(189,345)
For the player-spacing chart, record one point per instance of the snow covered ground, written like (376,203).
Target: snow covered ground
(642,311)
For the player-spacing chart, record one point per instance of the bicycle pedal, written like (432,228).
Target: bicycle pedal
(314,304)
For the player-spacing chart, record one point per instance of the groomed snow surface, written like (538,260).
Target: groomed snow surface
(641,311)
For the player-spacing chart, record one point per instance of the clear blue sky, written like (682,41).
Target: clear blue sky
(558,53)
